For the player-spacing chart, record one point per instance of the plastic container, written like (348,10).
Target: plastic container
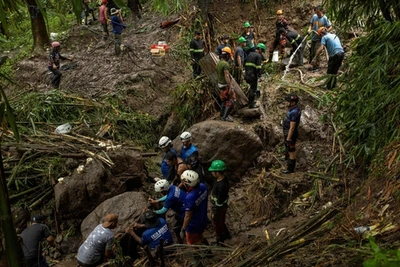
(362,229)
(275,56)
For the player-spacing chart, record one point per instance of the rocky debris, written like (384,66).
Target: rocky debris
(128,206)
(82,191)
(248,113)
(267,160)
(237,146)
(311,127)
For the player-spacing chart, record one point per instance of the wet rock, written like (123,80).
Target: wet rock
(311,128)
(172,127)
(248,113)
(238,146)
(70,244)
(81,192)
(129,206)
(266,160)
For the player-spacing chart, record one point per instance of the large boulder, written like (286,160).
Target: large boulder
(238,146)
(311,127)
(82,191)
(128,206)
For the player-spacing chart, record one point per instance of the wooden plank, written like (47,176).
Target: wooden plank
(208,66)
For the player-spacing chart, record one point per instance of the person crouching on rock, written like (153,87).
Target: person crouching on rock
(97,247)
(54,63)
(291,131)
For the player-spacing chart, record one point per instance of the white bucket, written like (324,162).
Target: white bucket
(275,56)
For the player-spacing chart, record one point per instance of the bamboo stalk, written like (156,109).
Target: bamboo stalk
(40,200)
(15,170)
(25,192)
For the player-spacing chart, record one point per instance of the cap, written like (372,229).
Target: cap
(223,37)
(150,219)
(37,218)
(197,32)
(109,219)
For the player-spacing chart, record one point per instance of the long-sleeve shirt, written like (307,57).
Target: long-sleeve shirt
(54,58)
(196,49)
(219,193)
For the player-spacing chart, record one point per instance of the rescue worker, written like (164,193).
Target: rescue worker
(31,242)
(103,17)
(87,11)
(187,148)
(280,39)
(335,52)
(291,131)
(97,247)
(175,200)
(193,163)
(224,43)
(317,21)
(239,60)
(250,37)
(165,143)
(156,229)
(227,95)
(196,53)
(117,26)
(252,67)
(176,167)
(54,63)
(295,40)
(219,200)
(195,221)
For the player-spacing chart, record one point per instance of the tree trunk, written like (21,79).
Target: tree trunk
(12,246)
(38,26)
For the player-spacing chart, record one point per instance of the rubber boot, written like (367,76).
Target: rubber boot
(226,114)
(222,112)
(291,164)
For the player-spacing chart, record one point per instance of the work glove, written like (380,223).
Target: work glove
(182,234)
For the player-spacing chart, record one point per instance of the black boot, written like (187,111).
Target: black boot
(291,164)
(226,114)
(222,112)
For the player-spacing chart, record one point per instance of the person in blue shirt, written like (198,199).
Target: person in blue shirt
(157,229)
(195,221)
(224,43)
(335,52)
(165,143)
(238,60)
(174,199)
(117,26)
(317,21)
(187,147)
(291,131)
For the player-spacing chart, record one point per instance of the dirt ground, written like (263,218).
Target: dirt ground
(146,83)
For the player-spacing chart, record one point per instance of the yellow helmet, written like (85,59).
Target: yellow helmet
(279,12)
(226,49)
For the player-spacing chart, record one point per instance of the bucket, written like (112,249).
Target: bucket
(275,56)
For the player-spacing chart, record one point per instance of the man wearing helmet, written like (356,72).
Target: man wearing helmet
(187,147)
(239,60)
(174,199)
(193,163)
(219,200)
(280,38)
(227,95)
(290,131)
(250,37)
(103,17)
(336,54)
(117,27)
(295,40)
(165,143)
(54,63)
(252,67)
(317,21)
(195,221)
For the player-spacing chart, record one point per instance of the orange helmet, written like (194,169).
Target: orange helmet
(279,12)
(226,49)
(321,30)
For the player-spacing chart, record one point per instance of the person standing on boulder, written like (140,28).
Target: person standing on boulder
(219,200)
(291,131)
(227,95)
(336,55)
(31,242)
(196,53)
(103,17)
(175,200)
(54,63)
(117,26)
(97,247)
(317,21)
(252,67)
(165,143)
(195,221)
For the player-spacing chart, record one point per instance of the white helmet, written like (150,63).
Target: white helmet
(164,142)
(161,185)
(191,178)
(186,136)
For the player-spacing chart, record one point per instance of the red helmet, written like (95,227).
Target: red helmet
(104,1)
(55,44)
